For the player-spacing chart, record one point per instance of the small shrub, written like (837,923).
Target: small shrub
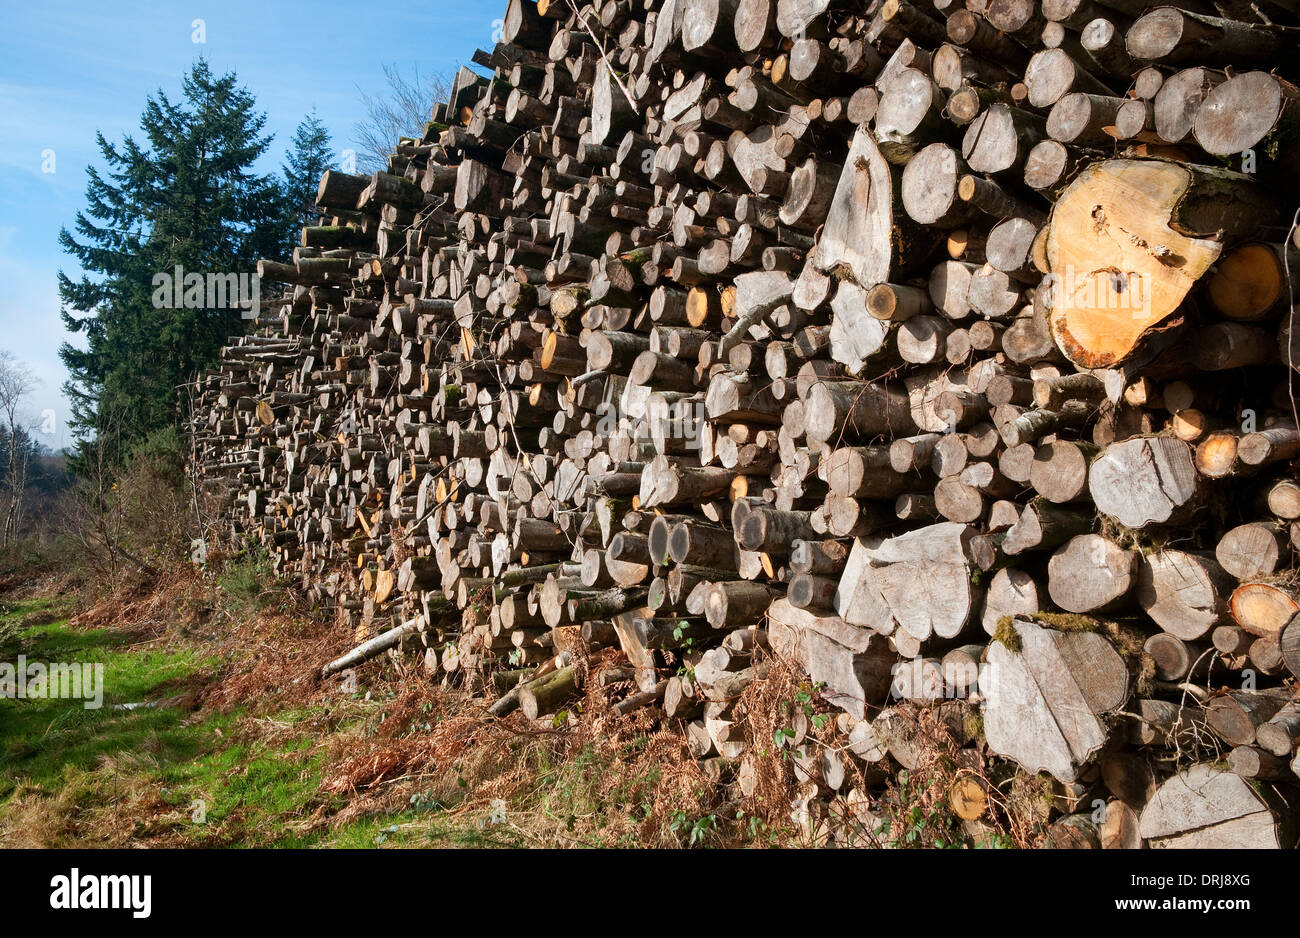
(247,579)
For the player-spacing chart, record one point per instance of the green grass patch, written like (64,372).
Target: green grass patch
(424,826)
(246,788)
(229,779)
(218,779)
(41,739)
(170,776)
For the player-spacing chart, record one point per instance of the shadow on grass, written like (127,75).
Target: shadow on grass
(185,777)
(174,774)
(40,739)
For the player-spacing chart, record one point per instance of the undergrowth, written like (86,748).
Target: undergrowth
(232,739)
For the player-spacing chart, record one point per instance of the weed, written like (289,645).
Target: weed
(696,830)
(243,577)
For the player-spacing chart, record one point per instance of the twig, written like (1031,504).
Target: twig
(605,58)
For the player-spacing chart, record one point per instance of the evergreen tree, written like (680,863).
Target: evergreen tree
(186,197)
(306,161)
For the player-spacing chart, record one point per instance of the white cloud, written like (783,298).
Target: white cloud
(30,326)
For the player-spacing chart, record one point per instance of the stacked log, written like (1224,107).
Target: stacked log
(943,351)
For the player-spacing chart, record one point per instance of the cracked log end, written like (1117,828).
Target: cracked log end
(1120,267)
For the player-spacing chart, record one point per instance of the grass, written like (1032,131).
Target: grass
(244,578)
(41,739)
(183,778)
(246,788)
(169,775)
(235,752)
(427,826)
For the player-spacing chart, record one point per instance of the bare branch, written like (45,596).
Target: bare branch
(401,110)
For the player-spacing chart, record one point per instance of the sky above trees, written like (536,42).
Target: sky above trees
(69,69)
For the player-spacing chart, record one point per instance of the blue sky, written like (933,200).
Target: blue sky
(68,69)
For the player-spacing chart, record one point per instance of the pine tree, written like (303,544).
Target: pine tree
(185,197)
(306,161)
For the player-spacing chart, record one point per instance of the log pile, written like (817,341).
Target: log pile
(941,350)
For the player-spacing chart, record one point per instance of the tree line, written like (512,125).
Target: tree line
(175,210)
(182,197)
(170,210)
